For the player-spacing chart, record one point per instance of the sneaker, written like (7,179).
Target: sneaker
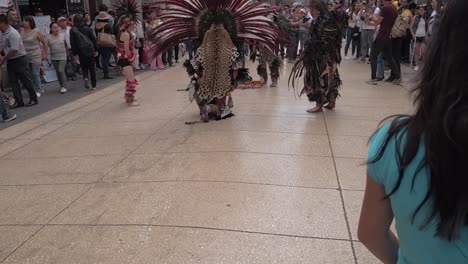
(63,90)
(38,94)
(416,68)
(390,79)
(8,118)
(93,88)
(347,57)
(397,81)
(372,82)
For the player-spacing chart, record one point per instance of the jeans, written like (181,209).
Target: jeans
(36,75)
(349,39)
(367,39)
(385,47)
(293,44)
(88,66)
(304,35)
(167,56)
(380,66)
(105,60)
(3,108)
(19,70)
(59,66)
(176,53)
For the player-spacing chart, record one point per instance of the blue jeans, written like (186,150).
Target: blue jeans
(380,66)
(36,74)
(106,55)
(3,107)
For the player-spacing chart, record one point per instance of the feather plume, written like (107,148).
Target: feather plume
(126,8)
(190,19)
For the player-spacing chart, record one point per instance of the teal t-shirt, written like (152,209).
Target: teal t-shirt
(416,245)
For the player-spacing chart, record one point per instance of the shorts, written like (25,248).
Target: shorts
(420,39)
(124,63)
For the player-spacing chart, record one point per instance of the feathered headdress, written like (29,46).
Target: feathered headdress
(190,19)
(124,9)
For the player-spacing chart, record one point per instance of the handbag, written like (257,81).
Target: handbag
(106,40)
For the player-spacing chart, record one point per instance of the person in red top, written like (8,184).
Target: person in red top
(386,19)
(127,55)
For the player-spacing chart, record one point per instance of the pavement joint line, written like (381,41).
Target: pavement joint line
(340,190)
(84,192)
(69,112)
(172,152)
(203,228)
(172,181)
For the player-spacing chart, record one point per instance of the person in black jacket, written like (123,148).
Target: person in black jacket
(83,44)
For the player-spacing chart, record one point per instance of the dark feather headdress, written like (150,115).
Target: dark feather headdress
(190,19)
(126,8)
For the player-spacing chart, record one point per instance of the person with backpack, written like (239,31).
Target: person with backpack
(399,29)
(83,44)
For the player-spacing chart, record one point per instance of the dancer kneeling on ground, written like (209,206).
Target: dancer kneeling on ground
(320,59)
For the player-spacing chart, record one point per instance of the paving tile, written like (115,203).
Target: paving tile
(364,113)
(352,173)
(56,170)
(78,130)
(14,236)
(256,208)
(70,244)
(130,115)
(349,146)
(246,167)
(363,255)
(345,127)
(68,118)
(353,203)
(40,131)
(35,204)
(16,130)
(2,140)
(75,147)
(243,141)
(11,145)
(256,123)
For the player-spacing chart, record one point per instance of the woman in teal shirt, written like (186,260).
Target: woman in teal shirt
(417,170)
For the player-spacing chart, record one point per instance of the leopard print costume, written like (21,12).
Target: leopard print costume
(217,55)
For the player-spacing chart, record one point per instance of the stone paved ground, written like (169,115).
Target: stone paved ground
(93,181)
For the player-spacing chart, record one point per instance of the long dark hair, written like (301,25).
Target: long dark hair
(440,124)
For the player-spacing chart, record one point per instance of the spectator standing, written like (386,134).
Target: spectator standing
(368,28)
(17,64)
(357,39)
(65,31)
(156,61)
(416,172)
(295,21)
(386,20)
(13,19)
(432,18)
(405,11)
(88,21)
(58,54)
(419,32)
(103,26)
(352,31)
(83,45)
(36,50)
(304,27)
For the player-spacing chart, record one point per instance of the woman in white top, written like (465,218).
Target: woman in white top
(58,53)
(36,50)
(418,28)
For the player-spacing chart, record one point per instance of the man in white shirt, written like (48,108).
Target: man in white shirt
(17,65)
(368,28)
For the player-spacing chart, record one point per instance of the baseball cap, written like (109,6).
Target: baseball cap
(61,18)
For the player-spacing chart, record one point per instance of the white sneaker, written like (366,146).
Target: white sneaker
(416,68)
(63,90)
(346,58)
(38,94)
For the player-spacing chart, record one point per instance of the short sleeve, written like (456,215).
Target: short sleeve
(375,169)
(15,40)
